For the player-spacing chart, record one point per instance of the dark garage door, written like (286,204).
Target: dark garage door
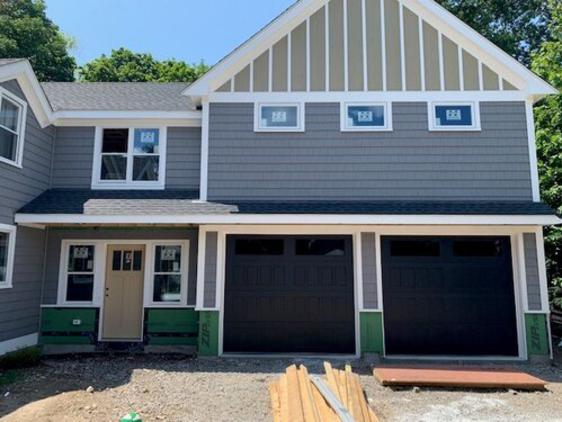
(448,296)
(289,295)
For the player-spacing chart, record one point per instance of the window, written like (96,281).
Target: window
(259,247)
(279,118)
(366,117)
(454,116)
(7,249)
(130,158)
(12,126)
(80,273)
(478,248)
(169,275)
(414,248)
(320,247)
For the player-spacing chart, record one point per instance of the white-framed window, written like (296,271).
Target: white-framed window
(78,279)
(129,158)
(279,117)
(454,116)
(13,112)
(7,254)
(366,117)
(168,273)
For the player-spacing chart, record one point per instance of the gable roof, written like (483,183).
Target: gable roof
(429,11)
(20,69)
(117,96)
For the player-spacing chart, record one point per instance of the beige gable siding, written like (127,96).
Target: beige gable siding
(366,45)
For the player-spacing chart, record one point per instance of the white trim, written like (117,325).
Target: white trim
(252,76)
(270,70)
(204,171)
(422,52)
(543,278)
(365,49)
(21,125)
(441,61)
(201,248)
(383,45)
(345,46)
(128,183)
(388,120)
(290,61)
(357,243)
(475,110)
(402,45)
(150,256)
(327,44)
(378,269)
(480,75)
(518,288)
(14,344)
(124,115)
(360,96)
(461,67)
(11,231)
(300,127)
(531,133)
(308,87)
(299,219)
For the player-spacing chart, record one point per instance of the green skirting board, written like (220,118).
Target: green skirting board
(371,332)
(208,333)
(538,342)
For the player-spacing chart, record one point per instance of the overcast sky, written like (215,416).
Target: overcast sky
(190,30)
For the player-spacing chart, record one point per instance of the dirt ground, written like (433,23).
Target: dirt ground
(172,389)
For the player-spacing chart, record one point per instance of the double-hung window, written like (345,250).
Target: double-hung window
(366,117)
(13,112)
(454,116)
(169,273)
(130,158)
(7,252)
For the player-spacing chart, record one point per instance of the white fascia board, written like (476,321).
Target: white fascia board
(34,94)
(296,219)
(254,46)
(453,27)
(117,114)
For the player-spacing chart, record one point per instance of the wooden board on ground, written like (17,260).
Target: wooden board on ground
(457,378)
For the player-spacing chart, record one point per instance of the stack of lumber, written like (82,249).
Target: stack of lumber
(299,397)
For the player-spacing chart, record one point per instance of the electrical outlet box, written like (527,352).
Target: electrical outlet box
(76,322)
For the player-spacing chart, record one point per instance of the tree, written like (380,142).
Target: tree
(518,27)
(26,32)
(547,62)
(125,66)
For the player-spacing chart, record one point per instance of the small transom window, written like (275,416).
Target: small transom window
(130,157)
(366,117)
(279,118)
(12,124)
(462,116)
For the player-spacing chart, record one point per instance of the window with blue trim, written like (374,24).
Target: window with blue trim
(454,116)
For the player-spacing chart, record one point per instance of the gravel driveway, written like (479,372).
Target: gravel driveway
(236,390)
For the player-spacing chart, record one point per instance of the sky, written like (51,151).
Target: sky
(189,30)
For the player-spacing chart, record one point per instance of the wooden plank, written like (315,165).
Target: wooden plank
(284,398)
(275,404)
(309,409)
(352,398)
(296,413)
(332,381)
(327,414)
(340,409)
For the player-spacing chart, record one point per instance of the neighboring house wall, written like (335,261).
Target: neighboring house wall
(409,163)
(74,152)
(56,235)
(20,185)
(19,305)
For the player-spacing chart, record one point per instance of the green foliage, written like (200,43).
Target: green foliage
(518,27)
(125,66)
(547,62)
(23,358)
(10,376)
(26,32)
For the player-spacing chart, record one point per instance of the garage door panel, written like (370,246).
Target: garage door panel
(448,298)
(300,300)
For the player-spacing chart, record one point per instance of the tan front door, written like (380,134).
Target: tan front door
(123,303)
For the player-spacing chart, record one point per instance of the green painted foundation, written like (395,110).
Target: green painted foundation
(171,327)
(208,333)
(371,332)
(538,342)
(69,325)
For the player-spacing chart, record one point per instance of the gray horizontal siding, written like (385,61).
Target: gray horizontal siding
(210,282)
(19,306)
(56,235)
(408,163)
(73,158)
(74,152)
(369,262)
(21,185)
(532,272)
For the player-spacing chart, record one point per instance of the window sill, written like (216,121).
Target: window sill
(368,129)
(168,305)
(4,286)
(455,129)
(128,186)
(11,163)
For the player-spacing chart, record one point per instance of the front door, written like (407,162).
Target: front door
(123,303)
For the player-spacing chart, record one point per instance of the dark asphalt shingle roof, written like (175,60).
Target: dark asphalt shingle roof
(112,96)
(180,202)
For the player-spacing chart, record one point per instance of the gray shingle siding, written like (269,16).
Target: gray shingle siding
(74,154)
(56,235)
(210,282)
(408,163)
(19,305)
(369,262)
(21,185)
(532,272)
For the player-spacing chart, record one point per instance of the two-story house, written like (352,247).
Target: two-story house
(358,177)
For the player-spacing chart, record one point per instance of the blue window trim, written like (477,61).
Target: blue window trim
(387,127)
(475,108)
